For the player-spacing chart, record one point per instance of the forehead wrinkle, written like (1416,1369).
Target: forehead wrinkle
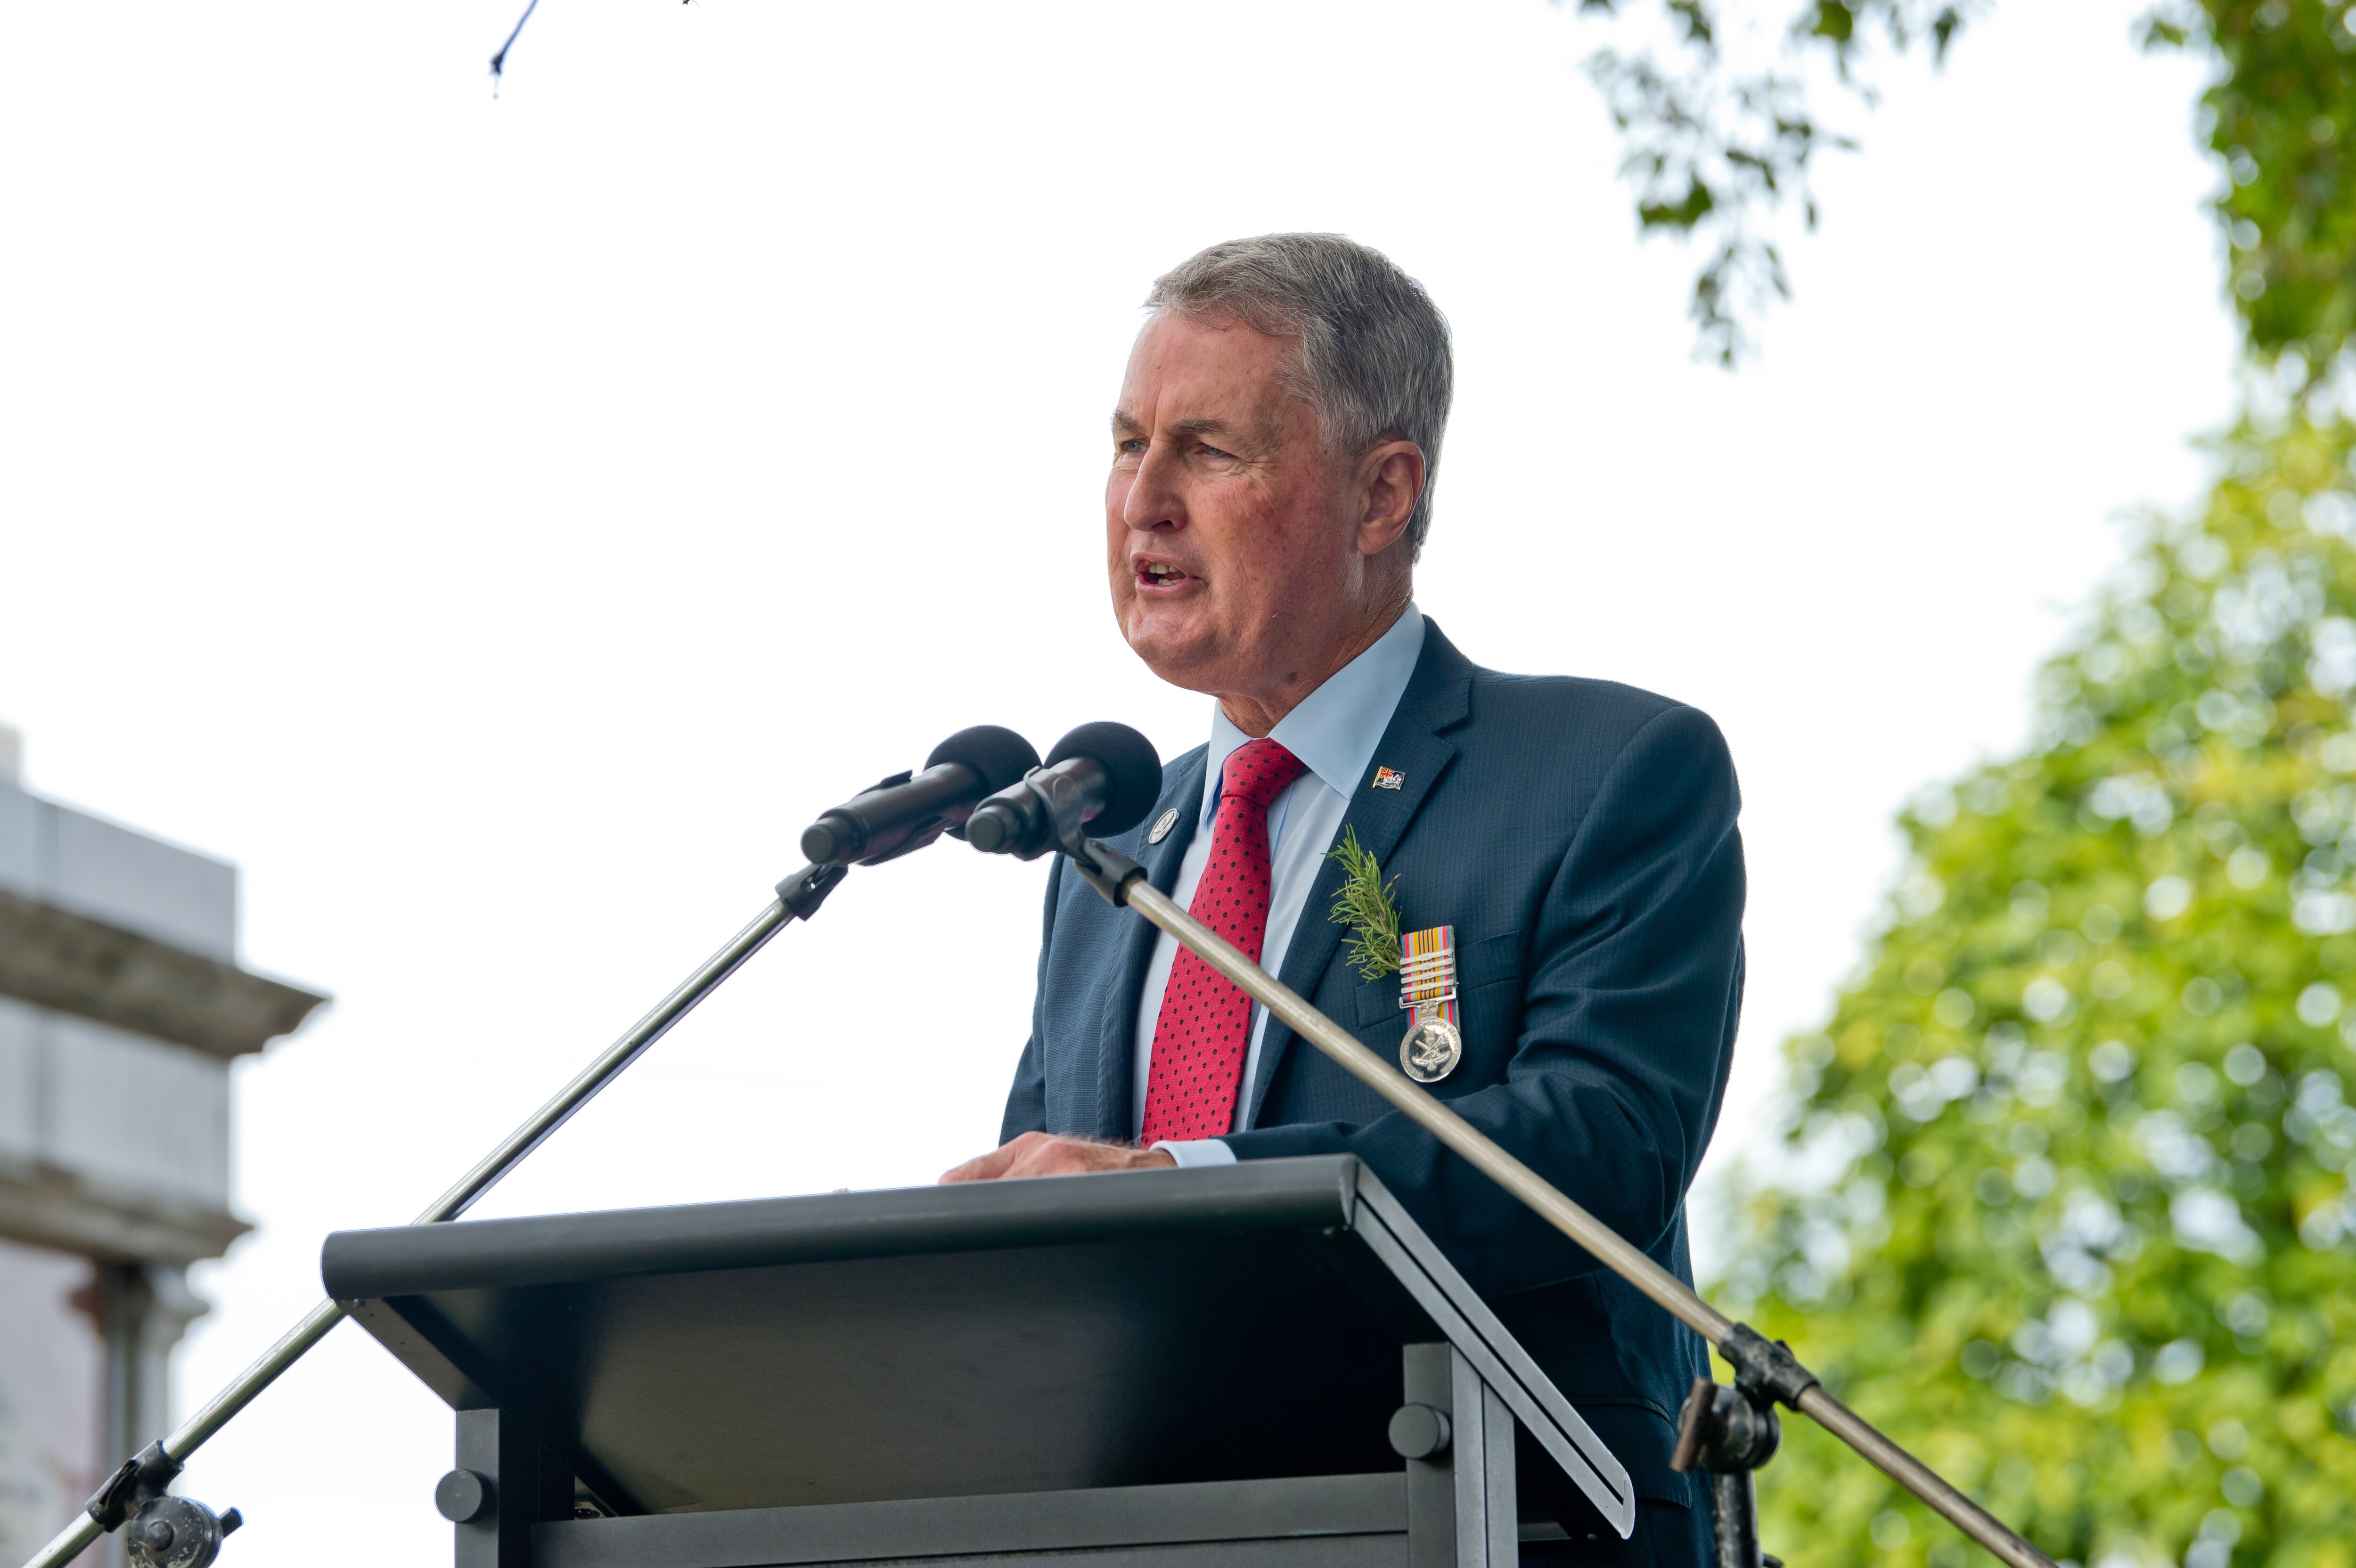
(1202,424)
(1124,423)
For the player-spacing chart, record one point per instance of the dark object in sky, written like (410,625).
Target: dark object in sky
(500,60)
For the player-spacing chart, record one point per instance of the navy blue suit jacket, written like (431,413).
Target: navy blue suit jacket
(1580,837)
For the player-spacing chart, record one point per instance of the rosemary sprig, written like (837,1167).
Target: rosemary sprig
(1365,904)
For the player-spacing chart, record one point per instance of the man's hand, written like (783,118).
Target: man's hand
(1039,1154)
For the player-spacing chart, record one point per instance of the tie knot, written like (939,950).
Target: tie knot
(1258,770)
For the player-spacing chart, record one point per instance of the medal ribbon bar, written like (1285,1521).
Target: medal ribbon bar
(1427,974)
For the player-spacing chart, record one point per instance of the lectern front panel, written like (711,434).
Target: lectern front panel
(1141,1361)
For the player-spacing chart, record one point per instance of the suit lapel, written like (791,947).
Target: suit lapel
(1438,696)
(1181,792)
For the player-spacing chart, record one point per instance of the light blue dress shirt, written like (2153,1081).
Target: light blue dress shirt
(1334,731)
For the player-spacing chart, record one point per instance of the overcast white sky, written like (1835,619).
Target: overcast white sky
(500,526)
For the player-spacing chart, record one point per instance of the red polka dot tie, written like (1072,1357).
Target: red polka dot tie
(1204,1031)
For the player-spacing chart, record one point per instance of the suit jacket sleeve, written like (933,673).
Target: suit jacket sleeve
(1633,969)
(1026,1103)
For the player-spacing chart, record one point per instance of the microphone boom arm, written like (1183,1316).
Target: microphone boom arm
(799,897)
(1760,1364)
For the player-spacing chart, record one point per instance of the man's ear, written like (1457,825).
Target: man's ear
(1390,480)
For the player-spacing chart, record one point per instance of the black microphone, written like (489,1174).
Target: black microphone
(1104,777)
(908,811)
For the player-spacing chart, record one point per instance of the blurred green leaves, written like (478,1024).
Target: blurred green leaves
(1718,147)
(2277,115)
(2065,1200)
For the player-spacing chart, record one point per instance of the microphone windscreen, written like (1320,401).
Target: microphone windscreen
(999,755)
(1133,772)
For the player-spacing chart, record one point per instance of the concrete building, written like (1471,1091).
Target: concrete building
(121,1006)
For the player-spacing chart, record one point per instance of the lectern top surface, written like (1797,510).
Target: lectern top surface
(1284,1195)
(1123,1329)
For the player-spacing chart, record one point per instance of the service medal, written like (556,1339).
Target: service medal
(1431,1051)
(1435,1039)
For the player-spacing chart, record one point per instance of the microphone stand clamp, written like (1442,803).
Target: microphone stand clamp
(165,1532)
(802,892)
(1728,1432)
(1101,866)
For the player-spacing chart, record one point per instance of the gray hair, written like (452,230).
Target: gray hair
(1374,359)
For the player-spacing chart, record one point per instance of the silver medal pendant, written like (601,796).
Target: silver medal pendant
(1431,1051)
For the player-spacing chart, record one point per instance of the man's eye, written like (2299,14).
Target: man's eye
(1133,447)
(1208,450)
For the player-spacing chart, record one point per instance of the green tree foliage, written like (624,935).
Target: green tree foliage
(2065,1203)
(2279,116)
(1717,147)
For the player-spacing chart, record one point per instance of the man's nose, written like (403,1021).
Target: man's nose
(1153,500)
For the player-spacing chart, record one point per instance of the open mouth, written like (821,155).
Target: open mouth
(1159,574)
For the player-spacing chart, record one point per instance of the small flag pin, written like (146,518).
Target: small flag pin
(1389,778)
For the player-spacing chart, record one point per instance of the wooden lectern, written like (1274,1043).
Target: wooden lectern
(1264,1365)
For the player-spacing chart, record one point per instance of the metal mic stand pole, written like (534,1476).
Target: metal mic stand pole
(1766,1372)
(143,1480)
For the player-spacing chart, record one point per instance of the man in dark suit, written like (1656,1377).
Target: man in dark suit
(1274,446)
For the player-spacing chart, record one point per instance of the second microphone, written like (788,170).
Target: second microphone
(1101,780)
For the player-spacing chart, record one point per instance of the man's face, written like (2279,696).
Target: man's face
(1229,531)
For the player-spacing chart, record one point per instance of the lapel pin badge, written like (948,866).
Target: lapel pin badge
(1435,1042)
(1162,826)
(1389,778)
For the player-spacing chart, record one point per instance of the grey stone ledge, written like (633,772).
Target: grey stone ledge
(53,1208)
(55,958)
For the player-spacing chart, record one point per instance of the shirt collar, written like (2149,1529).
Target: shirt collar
(1337,728)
